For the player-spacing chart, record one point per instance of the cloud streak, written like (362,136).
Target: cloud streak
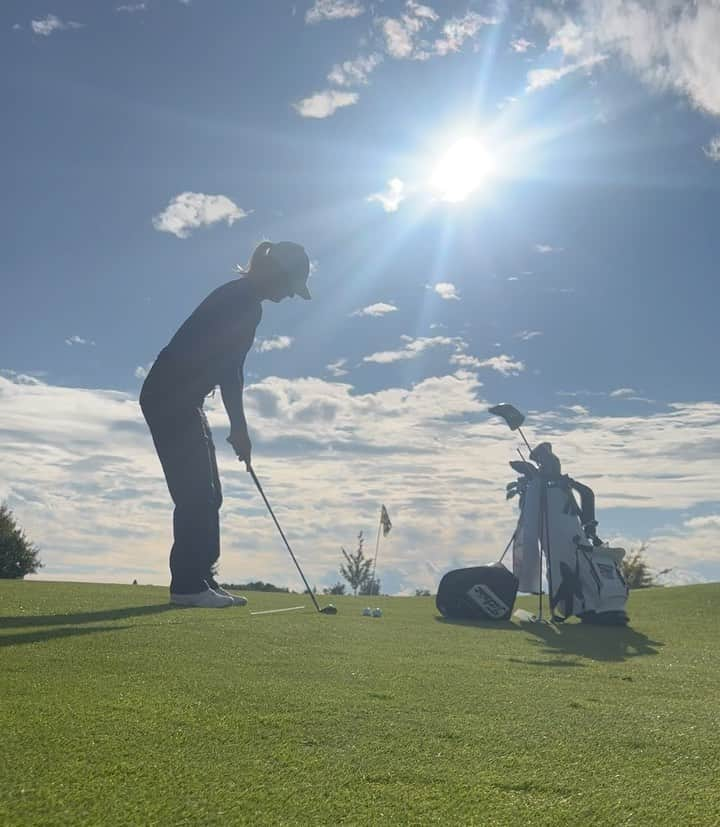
(322,10)
(324,104)
(379,309)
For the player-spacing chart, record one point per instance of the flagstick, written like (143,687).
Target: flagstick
(377,546)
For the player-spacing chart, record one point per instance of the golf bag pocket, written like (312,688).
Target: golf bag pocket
(604,591)
(478,593)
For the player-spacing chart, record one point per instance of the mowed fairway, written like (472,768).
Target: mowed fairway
(116,709)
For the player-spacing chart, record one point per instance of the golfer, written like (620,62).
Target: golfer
(207,351)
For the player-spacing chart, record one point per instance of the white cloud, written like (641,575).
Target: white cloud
(52,23)
(526,335)
(141,371)
(521,45)
(671,45)
(324,104)
(190,210)
(130,8)
(400,33)
(459,29)
(540,78)
(333,10)
(337,368)
(392,197)
(623,392)
(78,340)
(354,72)
(464,360)
(379,309)
(503,364)
(276,343)
(547,248)
(446,290)
(89,490)
(712,521)
(412,349)
(712,150)
(20,378)
(578,410)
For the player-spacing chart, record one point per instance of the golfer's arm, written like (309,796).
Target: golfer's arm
(232,396)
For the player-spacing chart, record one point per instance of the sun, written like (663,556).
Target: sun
(465,167)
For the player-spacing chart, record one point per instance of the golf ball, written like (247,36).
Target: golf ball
(377,613)
(367,611)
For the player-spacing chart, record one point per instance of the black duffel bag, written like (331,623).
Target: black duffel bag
(478,593)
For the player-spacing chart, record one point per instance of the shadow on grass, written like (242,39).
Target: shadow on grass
(22,621)
(43,635)
(601,643)
(495,625)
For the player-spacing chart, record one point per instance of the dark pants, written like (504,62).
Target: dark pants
(185,447)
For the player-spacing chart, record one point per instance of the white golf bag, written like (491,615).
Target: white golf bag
(583,574)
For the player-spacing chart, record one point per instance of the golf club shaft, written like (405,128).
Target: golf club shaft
(282,534)
(524,440)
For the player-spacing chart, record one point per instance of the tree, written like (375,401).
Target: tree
(18,556)
(370,587)
(422,593)
(635,569)
(255,586)
(338,588)
(357,570)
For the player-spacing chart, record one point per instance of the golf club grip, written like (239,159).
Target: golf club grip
(282,534)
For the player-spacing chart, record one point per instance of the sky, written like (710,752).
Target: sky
(501,202)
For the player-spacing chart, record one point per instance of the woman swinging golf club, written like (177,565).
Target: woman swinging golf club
(208,350)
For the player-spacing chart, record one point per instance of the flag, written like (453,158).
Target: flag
(385,520)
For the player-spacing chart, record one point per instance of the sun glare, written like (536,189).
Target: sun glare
(462,170)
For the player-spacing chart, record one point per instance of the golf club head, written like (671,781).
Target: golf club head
(509,413)
(328,610)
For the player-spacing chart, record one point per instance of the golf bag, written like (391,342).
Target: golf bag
(478,593)
(583,574)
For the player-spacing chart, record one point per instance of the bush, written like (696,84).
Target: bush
(635,569)
(18,556)
(422,593)
(338,588)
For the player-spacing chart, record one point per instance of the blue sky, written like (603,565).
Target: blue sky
(149,146)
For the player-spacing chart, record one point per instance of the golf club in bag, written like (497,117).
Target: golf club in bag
(326,610)
(583,574)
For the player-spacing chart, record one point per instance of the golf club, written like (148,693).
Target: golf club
(326,610)
(512,417)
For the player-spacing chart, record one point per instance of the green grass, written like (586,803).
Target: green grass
(115,709)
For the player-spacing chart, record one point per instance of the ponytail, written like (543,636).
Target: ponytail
(261,250)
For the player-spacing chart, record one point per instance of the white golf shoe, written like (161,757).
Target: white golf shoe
(237,599)
(207,599)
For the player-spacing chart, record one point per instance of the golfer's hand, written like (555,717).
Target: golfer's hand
(242,446)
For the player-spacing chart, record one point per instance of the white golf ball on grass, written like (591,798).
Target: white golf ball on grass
(377,613)
(367,611)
